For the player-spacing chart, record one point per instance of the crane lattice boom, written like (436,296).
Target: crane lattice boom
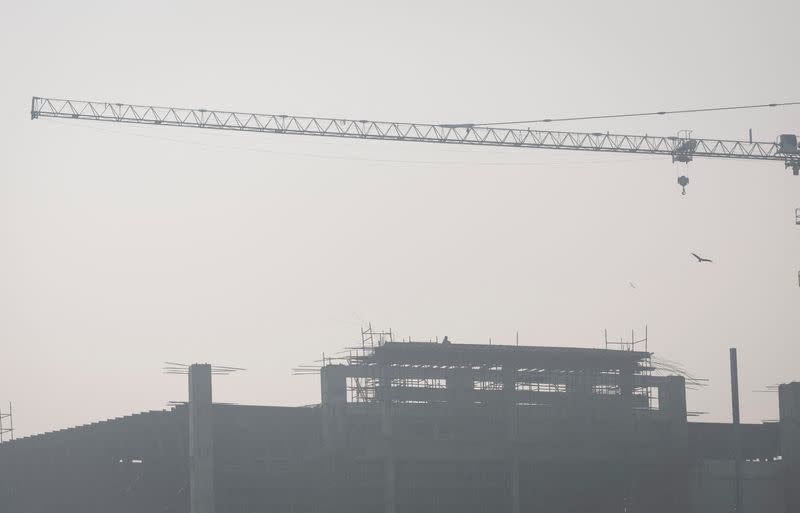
(681,148)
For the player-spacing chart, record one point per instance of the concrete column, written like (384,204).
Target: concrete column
(627,425)
(737,434)
(389,470)
(333,382)
(510,406)
(385,397)
(460,389)
(672,397)
(510,403)
(789,400)
(626,382)
(389,479)
(672,406)
(201,443)
(514,467)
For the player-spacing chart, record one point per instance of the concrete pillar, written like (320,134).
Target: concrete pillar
(510,403)
(626,382)
(627,426)
(672,407)
(510,406)
(672,397)
(386,403)
(389,463)
(201,443)
(333,382)
(460,389)
(737,433)
(789,400)
(389,479)
(514,476)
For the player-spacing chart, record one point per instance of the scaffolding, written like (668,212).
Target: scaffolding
(6,425)
(648,394)
(420,371)
(362,390)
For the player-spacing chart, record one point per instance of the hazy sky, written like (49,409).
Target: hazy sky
(124,246)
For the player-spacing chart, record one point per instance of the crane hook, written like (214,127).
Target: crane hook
(683,181)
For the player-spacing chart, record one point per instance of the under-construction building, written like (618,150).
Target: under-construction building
(411,427)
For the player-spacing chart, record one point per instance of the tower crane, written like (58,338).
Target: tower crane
(681,148)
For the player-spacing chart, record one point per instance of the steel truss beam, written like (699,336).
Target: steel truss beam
(681,149)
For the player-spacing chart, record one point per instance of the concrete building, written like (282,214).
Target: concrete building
(416,428)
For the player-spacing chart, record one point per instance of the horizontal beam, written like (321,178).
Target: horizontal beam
(394,372)
(518,396)
(682,149)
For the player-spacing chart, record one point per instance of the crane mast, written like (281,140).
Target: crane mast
(681,148)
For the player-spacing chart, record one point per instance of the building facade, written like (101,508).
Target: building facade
(421,427)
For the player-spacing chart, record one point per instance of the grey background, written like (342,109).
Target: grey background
(124,246)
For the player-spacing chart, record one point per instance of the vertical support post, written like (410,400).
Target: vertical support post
(333,382)
(626,382)
(626,385)
(515,503)
(389,484)
(737,437)
(510,405)
(201,449)
(389,470)
(672,409)
(460,393)
(672,398)
(789,397)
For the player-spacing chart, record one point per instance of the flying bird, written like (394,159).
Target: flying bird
(700,259)
(633,286)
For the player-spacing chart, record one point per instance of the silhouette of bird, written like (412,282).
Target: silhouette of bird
(633,286)
(700,259)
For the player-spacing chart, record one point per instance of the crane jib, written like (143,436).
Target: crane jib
(682,148)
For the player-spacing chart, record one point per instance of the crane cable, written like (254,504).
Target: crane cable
(639,114)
